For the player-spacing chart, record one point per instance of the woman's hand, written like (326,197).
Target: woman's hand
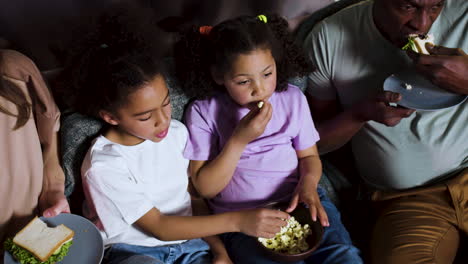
(252,125)
(53,202)
(311,198)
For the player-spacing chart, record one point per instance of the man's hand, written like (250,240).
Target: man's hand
(378,109)
(262,222)
(445,67)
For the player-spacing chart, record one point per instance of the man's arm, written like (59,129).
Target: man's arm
(336,127)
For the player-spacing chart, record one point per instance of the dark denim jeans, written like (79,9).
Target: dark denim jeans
(195,251)
(336,246)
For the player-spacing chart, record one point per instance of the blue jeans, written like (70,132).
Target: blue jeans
(336,245)
(195,251)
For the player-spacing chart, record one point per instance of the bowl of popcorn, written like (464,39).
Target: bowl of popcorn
(297,240)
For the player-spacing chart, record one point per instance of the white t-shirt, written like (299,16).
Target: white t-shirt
(122,183)
(353,59)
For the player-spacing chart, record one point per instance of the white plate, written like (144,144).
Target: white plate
(423,94)
(87,246)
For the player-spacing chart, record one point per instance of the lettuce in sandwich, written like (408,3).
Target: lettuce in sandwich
(417,43)
(25,257)
(37,243)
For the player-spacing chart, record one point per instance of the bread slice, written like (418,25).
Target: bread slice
(42,241)
(420,42)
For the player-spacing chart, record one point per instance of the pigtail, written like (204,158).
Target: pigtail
(292,61)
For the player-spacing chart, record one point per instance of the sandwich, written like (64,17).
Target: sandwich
(417,43)
(37,243)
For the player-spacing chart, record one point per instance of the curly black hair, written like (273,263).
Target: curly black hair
(195,53)
(121,54)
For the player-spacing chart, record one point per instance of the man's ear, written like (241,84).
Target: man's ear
(217,76)
(108,117)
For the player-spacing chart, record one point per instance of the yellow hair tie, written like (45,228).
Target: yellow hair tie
(262,18)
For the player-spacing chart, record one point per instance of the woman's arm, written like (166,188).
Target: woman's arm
(52,200)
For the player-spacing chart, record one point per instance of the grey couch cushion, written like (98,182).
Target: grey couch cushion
(77,132)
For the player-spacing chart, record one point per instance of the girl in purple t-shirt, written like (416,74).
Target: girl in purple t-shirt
(252,139)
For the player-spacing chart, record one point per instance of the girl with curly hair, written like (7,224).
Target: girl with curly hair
(134,175)
(252,138)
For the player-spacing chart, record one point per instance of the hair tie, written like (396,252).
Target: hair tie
(205,30)
(262,18)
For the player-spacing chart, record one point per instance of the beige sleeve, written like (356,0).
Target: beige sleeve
(46,113)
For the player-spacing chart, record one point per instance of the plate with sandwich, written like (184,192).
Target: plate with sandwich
(66,238)
(418,92)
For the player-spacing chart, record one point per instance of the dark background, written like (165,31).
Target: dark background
(37,27)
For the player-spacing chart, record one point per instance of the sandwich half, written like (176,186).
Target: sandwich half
(38,243)
(417,43)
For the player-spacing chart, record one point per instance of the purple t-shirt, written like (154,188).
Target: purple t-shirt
(267,170)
